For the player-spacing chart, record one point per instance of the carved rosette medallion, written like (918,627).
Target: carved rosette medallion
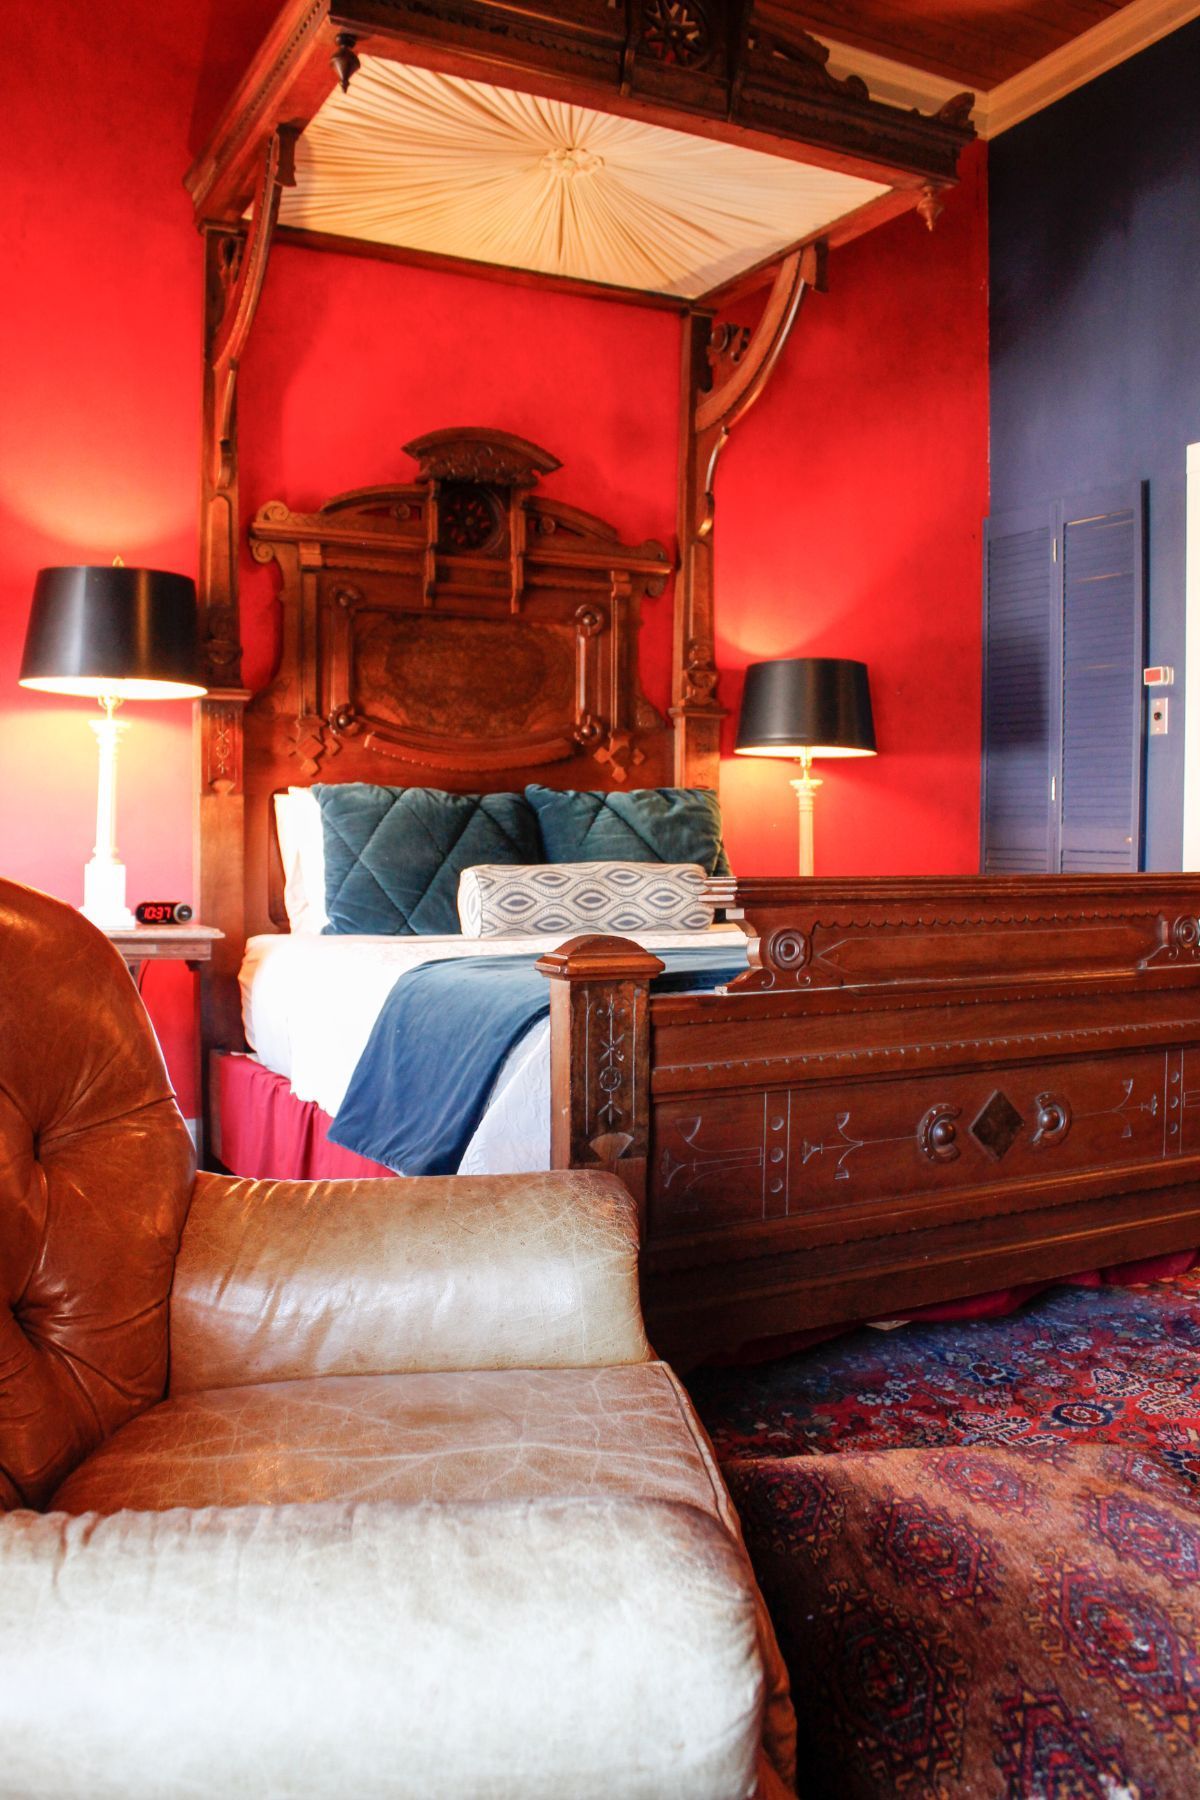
(1052,1120)
(787,950)
(676,32)
(1185,933)
(937,1134)
(345,722)
(470,517)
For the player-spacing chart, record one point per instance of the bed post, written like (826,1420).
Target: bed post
(600,1057)
(725,368)
(235,266)
(218,822)
(695,710)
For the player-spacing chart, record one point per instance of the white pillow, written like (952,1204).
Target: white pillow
(531,900)
(302,848)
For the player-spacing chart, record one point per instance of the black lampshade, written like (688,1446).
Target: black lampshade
(128,633)
(815,704)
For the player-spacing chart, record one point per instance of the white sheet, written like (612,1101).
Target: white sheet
(309,1003)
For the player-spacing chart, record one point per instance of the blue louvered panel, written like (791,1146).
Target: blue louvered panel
(1102,692)
(1018,715)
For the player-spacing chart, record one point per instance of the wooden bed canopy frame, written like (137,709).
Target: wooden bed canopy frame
(922,1089)
(735,70)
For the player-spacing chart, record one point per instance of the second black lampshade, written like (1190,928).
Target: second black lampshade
(814,705)
(130,634)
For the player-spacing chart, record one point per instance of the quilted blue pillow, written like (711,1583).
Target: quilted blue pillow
(393,856)
(670,825)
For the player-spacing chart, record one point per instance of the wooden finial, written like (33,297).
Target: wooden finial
(345,63)
(929,205)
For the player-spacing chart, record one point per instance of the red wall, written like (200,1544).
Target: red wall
(848,501)
(100,366)
(849,508)
(352,358)
(99,372)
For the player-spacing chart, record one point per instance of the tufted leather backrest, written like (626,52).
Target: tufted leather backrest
(96,1171)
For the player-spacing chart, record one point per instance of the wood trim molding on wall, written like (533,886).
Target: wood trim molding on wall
(1191,672)
(1126,33)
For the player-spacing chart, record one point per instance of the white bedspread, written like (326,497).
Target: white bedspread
(309,1004)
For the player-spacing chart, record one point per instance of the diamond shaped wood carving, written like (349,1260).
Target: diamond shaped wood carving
(996,1125)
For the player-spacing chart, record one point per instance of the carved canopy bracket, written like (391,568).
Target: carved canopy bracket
(748,357)
(245,269)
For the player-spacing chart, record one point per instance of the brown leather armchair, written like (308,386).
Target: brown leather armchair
(333,1488)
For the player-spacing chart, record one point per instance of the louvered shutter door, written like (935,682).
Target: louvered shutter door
(1102,654)
(1020,683)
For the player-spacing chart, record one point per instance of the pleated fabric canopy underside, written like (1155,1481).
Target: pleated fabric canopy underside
(432,162)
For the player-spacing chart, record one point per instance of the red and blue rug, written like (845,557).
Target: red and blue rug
(980,1544)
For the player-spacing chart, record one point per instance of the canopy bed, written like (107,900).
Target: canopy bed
(916,1089)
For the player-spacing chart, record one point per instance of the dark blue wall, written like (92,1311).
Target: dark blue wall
(1095,329)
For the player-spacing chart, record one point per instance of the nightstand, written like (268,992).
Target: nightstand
(140,944)
(192,944)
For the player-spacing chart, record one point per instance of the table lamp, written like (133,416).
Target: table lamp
(111,634)
(806,706)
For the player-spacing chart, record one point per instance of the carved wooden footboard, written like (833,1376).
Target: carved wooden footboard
(921,1090)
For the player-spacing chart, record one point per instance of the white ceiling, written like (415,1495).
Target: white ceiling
(432,162)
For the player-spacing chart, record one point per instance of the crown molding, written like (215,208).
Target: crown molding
(1114,41)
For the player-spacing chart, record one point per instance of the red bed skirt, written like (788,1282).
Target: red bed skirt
(266,1132)
(269,1134)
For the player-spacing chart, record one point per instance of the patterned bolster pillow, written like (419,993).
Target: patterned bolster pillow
(503,900)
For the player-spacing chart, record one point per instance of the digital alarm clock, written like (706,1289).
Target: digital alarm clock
(163,912)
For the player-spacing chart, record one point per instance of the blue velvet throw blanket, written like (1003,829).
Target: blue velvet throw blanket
(421,1086)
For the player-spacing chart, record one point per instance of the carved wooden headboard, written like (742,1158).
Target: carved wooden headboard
(453,631)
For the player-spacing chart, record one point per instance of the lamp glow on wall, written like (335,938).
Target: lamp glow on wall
(806,706)
(111,635)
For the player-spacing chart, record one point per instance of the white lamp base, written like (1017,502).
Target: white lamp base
(805,785)
(104,877)
(104,894)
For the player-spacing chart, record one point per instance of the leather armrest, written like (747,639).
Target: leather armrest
(600,1648)
(287,1280)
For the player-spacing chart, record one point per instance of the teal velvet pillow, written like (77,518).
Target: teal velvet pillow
(670,825)
(393,856)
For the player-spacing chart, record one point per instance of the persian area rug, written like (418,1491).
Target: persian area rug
(980,1545)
